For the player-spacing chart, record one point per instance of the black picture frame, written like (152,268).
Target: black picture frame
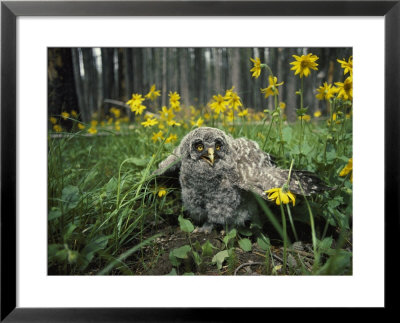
(10,10)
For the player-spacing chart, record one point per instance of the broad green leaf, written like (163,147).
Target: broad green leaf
(54,214)
(70,196)
(245,244)
(230,235)
(196,258)
(207,249)
(91,248)
(263,244)
(185,225)
(220,257)
(52,249)
(174,261)
(325,244)
(181,252)
(70,229)
(61,255)
(138,161)
(245,232)
(287,134)
(72,256)
(172,272)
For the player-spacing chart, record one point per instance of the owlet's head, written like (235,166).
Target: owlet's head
(206,145)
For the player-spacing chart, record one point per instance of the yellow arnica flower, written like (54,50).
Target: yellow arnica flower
(198,123)
(157,136)
(174,98)
(219,104)
(243,113)
(256,68)
(325,91)
(347,66)
(137,99)
(272,89)
(65,115)
(347,169)
(282,105)
(116,112)
(81,126)
(57,128)
(173,123)
(138,109)
(280,196)
(171,138)
(74,113)
(153,93)
(303,64)
(167,114)
(92,130)
(161,192)
(233,100)
(305,117)
(110,121)
(53,120)
(345,89)
(150,122)
(93,123)
(230,116)
(317,114)
(117,125)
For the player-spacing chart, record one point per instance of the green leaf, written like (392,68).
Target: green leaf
(54,214)
(141,162)
(185,225)
(207,249)
(181,252)
(111,187)
(220,257)
(174,261)
(72,256)
(263,243)
(70,230)
(172,272)
(245,232)
(287,134)
(325,244)
(91,248)
(245,244)
(301,111)
(231,234)
(61,255)
(70,196)
(52,249)
(330,156)
(196,258)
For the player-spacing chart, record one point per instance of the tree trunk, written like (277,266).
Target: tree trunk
(183,54)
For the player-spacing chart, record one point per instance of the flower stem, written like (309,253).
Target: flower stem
(284,238)
(269,130)
(291,222)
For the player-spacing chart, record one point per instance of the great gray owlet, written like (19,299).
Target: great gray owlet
(219,176)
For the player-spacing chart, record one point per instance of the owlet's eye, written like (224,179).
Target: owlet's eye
(199,147)
(217,147)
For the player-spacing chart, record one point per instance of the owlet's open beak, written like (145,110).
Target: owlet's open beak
(209,157)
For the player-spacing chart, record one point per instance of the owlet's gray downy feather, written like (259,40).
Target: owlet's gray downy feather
(219,174)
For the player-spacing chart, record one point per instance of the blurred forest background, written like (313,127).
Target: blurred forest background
(85,79)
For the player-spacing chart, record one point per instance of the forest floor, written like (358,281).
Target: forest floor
(154,259)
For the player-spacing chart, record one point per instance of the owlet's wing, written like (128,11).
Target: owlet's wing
(256,172)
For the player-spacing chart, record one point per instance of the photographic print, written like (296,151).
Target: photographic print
(200,161)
